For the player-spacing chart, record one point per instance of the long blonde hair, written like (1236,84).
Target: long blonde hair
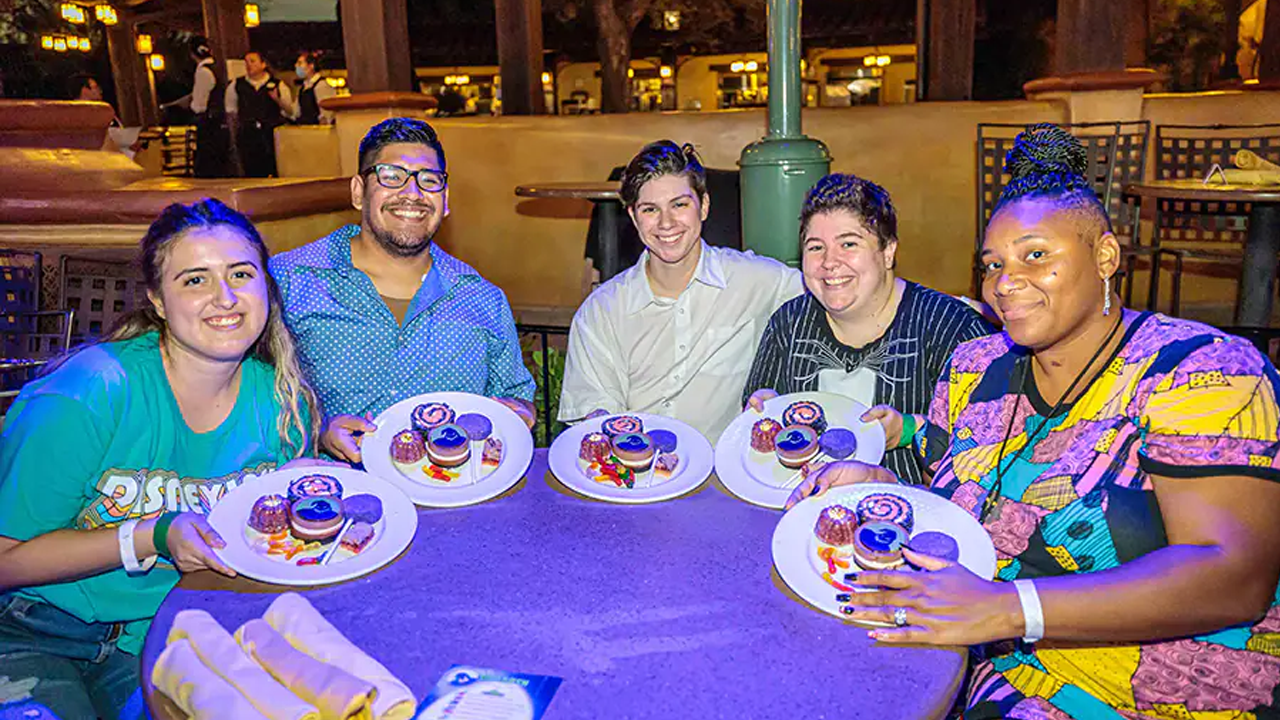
(274,347)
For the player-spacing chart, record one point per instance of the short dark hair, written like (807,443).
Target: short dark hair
(79,82)
(398,130)
(1047,162)
(199,47)
(661,158)
(865,199)
(252,51)
(310,58)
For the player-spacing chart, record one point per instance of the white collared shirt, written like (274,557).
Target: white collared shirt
(684,357)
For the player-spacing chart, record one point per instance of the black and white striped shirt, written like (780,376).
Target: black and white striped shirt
(798,345)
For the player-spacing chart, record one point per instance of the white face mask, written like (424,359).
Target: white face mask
(301,70)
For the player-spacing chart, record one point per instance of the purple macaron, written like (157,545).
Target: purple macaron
(664,440)
(838,443)
(935,544)
(476,426)
(362,508)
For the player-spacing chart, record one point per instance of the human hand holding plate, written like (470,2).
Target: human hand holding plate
(835,474)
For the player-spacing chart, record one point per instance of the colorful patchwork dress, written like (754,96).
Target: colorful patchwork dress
(1179,400)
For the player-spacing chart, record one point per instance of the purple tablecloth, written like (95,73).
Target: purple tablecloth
(669,610)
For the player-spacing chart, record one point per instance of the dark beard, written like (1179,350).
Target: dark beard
(404,246)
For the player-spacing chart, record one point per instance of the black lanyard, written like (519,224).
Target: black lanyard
(994,495)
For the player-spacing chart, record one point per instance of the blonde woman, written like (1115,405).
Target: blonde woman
(111,459)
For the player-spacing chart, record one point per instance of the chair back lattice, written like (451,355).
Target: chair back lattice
(1190,152)
(1116,156)
(100,292)
(19,297)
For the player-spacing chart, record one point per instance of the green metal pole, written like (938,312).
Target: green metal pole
(779,169)
(784,68)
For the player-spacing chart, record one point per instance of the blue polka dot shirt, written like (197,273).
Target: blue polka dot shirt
(459,333)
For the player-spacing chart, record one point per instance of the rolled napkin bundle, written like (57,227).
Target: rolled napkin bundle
(218,650)
(307,630)
(338,694)
(1250,160)
(1232,176)
(200,692)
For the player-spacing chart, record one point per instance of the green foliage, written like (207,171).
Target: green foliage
(554,360)
(1186,41)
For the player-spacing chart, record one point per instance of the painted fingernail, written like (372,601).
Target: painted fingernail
(848,609)
(844,597)
(851,577)
(874,635)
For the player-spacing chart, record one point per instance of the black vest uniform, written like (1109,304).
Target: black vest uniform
(213,144)
(259,117)
(308,106)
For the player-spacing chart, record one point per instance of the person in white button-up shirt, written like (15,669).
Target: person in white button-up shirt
(674,334)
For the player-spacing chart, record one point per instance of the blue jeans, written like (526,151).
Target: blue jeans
(78,670)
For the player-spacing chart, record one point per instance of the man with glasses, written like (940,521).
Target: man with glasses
(381,313)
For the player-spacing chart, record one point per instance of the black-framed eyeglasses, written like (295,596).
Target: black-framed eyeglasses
(394,177)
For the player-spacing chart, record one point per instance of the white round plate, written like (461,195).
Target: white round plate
(392,534)
(517,453)
(759,478)
(696,460)
(795,546)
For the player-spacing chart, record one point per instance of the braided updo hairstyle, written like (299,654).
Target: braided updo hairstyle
(1049,163)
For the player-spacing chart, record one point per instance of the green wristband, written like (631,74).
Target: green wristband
(160,532)
(908,431)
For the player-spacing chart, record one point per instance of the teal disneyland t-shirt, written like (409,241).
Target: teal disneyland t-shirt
(101,440)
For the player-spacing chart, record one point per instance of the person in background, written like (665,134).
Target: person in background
(114,457)
(312,88)
(206,101)
(382,313)
(1125,466)
(85,88)
(860,330)
(256,105)
(675,333)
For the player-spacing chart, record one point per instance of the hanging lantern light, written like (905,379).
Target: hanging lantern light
(73,43)
(751,66)
(72,13)
(106,14)
(84,45)
(737,66)
(546,78)
(46,42)
(144,45)
(59,44)
(157,62)
(251,16)
(665,71)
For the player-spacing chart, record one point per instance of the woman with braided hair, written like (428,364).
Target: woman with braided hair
(1125,466)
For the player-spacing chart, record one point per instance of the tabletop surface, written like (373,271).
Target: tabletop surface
(1195,189)
(586,190)
(670,610)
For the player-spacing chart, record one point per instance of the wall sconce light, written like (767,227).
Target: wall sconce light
(251,16)
(883,60)
(72,13)
(546,78)
(665,71)
(737,66)
(631,72)
(144,45)
(157,62)
(463,79)
(751,66)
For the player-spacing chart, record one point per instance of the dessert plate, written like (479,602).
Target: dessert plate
(392,534)
(795,546)
(693,450)
(465,489)
(758,477)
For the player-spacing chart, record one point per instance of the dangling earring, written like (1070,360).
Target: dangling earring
(1106,296)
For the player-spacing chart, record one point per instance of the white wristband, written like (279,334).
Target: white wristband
(129,556)
(1032,611)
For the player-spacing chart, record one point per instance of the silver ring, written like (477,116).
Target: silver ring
(900,617)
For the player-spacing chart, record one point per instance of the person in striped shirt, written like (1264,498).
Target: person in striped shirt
(859,330)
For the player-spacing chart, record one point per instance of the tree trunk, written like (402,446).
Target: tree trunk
(614,46)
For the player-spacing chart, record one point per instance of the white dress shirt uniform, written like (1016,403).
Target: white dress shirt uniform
(685,357)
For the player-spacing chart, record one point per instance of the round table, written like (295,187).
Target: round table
(1262,243)
(669,610)
(604,195)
